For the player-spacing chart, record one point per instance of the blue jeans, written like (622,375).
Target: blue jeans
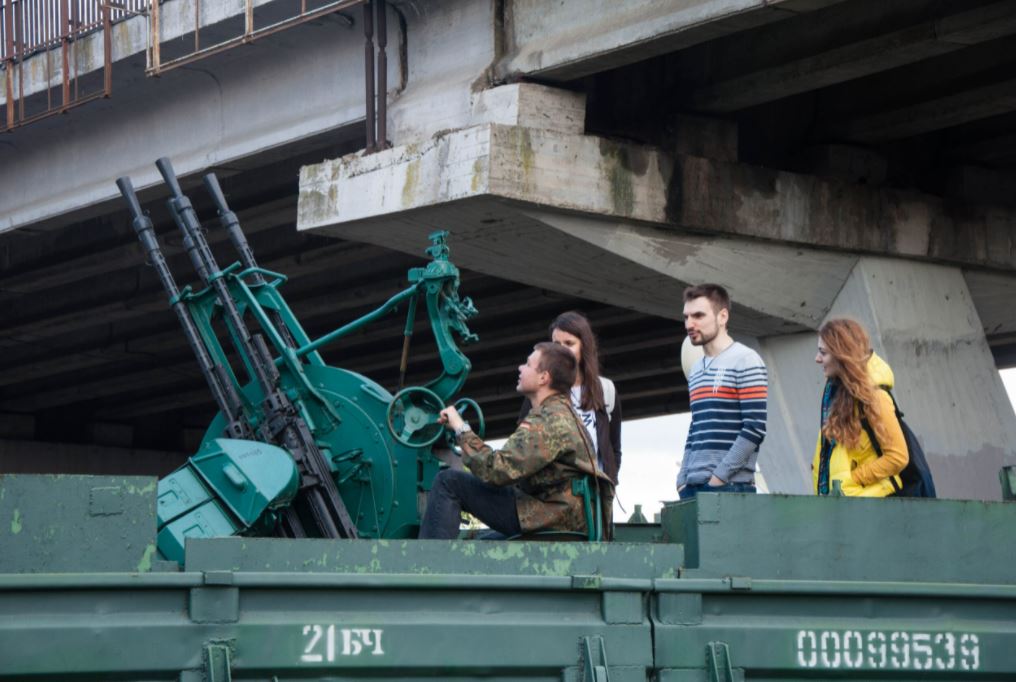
(691,490)
(454,492)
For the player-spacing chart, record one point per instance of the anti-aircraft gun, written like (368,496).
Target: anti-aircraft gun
(298,448)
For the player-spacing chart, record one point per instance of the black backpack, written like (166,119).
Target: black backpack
(916,476)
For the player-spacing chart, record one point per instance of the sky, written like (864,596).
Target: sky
(652,448)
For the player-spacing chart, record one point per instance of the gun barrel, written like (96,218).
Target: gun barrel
(223,391)
(232,224)
(322,495)
(127,191)
(165,167)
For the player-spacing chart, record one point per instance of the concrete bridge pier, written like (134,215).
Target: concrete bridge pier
(529,196)
(923,322)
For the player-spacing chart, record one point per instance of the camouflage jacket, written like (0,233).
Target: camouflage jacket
(549,449)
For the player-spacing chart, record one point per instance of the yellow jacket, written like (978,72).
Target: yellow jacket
(861,472)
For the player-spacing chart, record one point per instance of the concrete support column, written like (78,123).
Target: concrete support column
(923,322)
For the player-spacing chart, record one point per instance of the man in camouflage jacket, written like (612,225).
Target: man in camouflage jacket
(526,485)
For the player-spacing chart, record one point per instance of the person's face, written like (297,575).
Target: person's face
(701,322)
(530,376)
(830,367)
(569,341)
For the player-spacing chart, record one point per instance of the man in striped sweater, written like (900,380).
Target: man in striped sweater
(727,388)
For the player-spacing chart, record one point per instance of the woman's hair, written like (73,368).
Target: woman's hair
(576,324)
(848,343)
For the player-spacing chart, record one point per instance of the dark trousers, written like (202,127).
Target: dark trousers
(454,492)
(690,491)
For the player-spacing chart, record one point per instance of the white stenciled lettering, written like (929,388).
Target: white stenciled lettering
(921,644)
(853,649)
(315,636)
(330,644)
(354,641)
(899,650)
(876,650)
(970,652)
(807,649)
(350,646)
(830,649)
(899,646)
(945,643)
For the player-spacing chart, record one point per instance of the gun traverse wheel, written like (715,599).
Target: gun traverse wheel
(412,417)
(465,406)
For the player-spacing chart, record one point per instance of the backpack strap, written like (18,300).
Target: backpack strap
(609,396)
(874,439)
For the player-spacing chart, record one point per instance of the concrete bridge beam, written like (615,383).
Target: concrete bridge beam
(512,179)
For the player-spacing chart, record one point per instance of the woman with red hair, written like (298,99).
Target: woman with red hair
(855,408)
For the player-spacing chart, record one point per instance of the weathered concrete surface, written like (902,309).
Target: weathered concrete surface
(795,389)
(882,51)
(567,40)
(787,283)
(450,47)
(655,217)
(923,322)
(201,118)
(617,180)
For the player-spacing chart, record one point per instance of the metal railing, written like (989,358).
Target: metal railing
(35,27)
(300,11)
(49,30)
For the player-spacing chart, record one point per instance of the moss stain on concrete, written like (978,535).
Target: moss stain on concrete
(410,185)
(617,168)
(474,185)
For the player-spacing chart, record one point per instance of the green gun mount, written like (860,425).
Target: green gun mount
(299,448)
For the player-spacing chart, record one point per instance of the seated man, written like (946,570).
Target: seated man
(526,485)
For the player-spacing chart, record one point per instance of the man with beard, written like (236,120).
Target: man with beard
(727,389)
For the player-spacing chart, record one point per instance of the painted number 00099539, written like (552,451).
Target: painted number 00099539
(846,649)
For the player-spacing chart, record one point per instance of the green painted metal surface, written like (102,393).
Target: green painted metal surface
(823,538)
(761,588)
(63,523)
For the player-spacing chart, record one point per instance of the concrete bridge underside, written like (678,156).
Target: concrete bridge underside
(818,157)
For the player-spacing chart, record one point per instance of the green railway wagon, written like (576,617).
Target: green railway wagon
(726,587)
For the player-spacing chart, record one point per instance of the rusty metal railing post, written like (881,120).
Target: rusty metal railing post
(19,26)
(248,22)
(368,60)
(8,38)
(107,49)
(65,45)
(382,75)
(156,38)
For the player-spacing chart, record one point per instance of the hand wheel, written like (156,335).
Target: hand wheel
(464,407)
(412,417)
(467,405)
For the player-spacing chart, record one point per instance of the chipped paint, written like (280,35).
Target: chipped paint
(145,564)
(141,490)
(16,522)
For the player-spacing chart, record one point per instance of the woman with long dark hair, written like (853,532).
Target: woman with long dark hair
(856,410)
(593,396)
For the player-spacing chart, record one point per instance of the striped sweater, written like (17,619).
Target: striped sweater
(728,417)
